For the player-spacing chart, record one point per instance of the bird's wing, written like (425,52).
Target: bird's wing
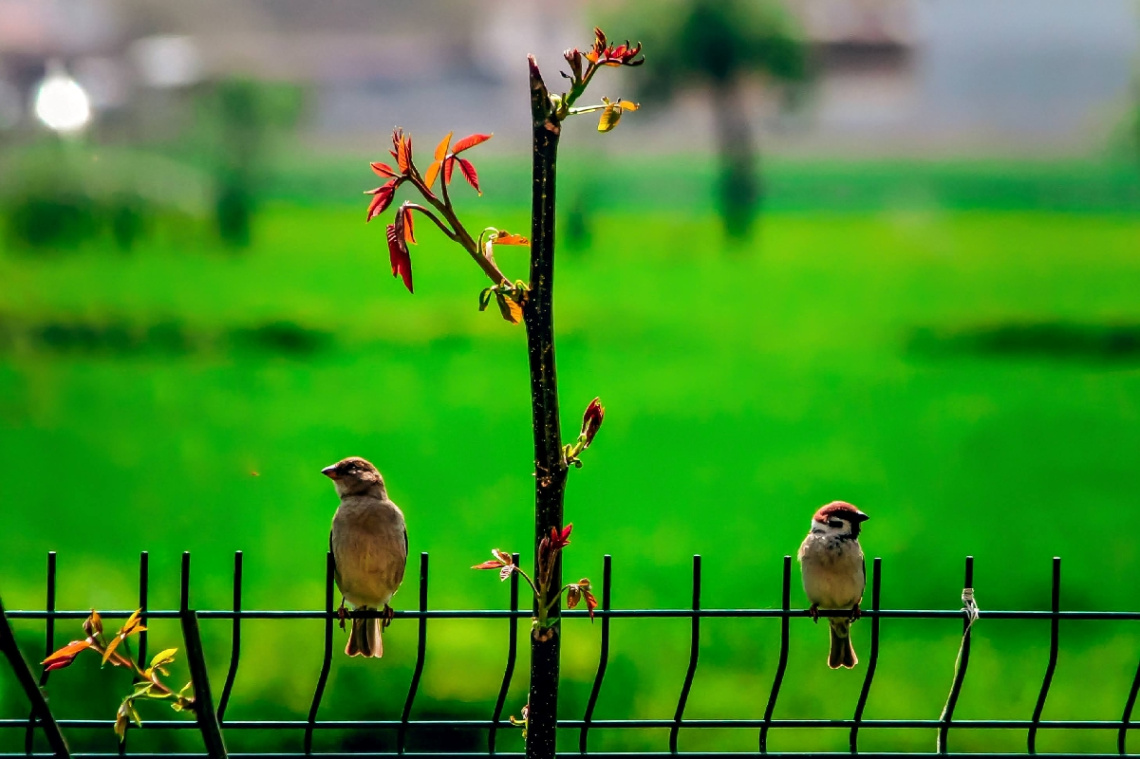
(336,574)
(864,558)
(404,564)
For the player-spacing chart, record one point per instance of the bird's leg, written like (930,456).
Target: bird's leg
(341,613)
(856,612)
(813,612)
(389,615)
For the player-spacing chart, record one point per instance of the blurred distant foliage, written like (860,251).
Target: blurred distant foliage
(53,204)
(804,381)
(241,117)
(717,44)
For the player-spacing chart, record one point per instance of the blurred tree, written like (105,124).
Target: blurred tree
(246,114)
(716,44)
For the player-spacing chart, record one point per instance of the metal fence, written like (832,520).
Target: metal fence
(211,722)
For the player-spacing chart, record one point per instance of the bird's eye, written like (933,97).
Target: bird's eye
(835,522)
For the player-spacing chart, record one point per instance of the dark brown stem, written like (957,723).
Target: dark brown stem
(442,227)
(549,462)
(461,234)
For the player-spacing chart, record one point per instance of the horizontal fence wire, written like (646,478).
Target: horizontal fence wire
(212,724)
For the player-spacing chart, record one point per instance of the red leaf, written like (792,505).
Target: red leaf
(404,153)
(383,169)
(469,174)
(489,564)
(448,165)
(66,655)
(561,539)
(469,142)
(398,253)
(381,199)
(409,234)
(591,602)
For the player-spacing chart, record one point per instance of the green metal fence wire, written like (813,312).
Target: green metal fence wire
(212,724)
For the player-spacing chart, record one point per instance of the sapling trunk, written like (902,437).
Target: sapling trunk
(549,460)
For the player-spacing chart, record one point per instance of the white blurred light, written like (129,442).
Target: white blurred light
(60,102)
(167,60)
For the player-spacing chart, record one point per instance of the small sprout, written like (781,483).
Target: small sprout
(146,683)
(132,627)
(559,539)
(502,559)
(524,722)
(592,421)
(93,625)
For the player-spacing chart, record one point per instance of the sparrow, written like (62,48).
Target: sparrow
(369,544)
(835,573)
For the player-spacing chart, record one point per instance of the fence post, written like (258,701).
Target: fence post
(31,690)
(203,703)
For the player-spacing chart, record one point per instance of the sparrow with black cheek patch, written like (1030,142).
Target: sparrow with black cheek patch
(369,544)
(835,573)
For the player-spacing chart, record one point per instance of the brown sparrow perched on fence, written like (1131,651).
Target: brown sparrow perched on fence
(369,544)
(835,573)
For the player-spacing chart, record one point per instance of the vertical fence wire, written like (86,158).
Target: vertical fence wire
(49,647)
(872,657)
(963,663)
(694,652)
(1054,639)
(144,592)
(235,641)
(144,599)
(785,619)
(421,649)
(603,657)
(1126,720)
(326,662)
(512,654)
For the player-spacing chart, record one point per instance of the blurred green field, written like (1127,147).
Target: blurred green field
(962,374)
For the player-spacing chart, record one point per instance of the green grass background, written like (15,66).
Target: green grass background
(745,385)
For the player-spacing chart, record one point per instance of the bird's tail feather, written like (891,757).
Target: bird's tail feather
(364,640)
(842,653)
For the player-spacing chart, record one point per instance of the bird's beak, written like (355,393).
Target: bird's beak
(861,516)
(330,472)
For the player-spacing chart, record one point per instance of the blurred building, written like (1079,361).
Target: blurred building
(895,76)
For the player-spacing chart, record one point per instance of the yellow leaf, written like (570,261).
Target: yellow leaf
(628,105)
(610,117)
(111,648)
(164,657)
(130,624)
(510,310)
(121,719)
(506,238)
